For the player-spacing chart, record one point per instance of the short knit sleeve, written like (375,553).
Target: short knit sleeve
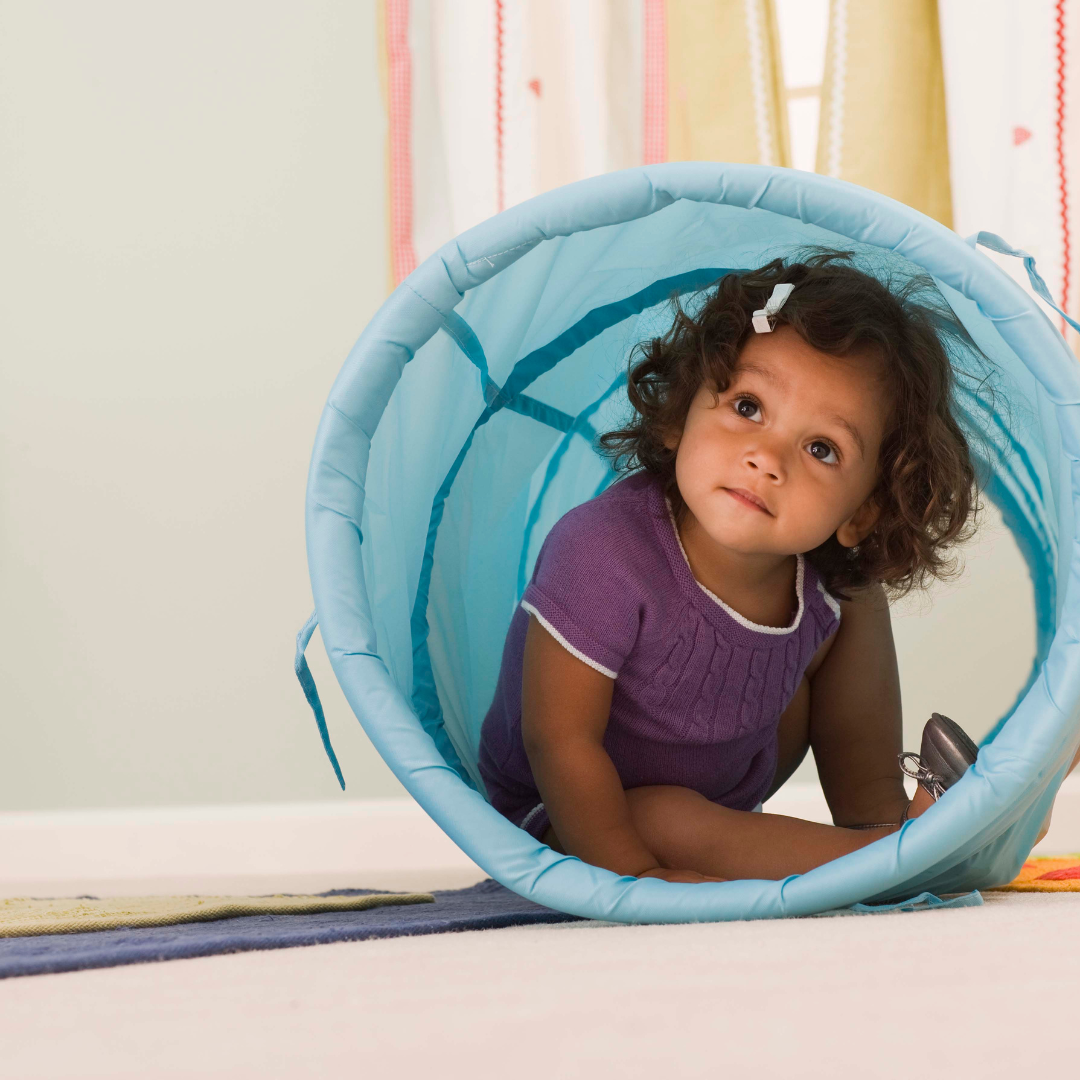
(586,588)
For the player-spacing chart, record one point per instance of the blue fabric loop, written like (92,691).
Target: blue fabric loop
(307,682)
(925,901)
(1003,247)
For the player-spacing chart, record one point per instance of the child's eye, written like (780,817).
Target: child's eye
(746,407)
(822,450)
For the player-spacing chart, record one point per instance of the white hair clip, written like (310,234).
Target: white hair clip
(763,318)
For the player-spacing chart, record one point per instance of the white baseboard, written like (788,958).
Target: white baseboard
(387,843)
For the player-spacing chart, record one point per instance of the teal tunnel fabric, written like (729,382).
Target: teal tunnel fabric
(307,684)
(461,428)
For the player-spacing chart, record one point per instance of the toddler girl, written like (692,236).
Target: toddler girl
(687,635)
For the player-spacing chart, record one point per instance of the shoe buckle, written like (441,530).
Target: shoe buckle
(933,784)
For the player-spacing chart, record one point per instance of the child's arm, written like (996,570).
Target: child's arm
(565,706)
(855,715)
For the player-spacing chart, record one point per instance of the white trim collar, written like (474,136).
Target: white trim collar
(742,620)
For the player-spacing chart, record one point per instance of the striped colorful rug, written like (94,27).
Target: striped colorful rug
(24,917)
(1061,874)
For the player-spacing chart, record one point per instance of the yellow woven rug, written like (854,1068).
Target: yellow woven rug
(1047,875)
(27,917)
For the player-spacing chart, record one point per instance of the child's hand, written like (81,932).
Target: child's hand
(684,877)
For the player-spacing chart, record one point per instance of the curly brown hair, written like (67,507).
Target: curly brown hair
(927,489)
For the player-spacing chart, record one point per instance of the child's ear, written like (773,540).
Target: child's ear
(852,532)
(672,438)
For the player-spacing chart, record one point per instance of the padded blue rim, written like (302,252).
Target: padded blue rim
(1017,773)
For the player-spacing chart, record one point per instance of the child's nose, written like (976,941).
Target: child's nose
(766,462)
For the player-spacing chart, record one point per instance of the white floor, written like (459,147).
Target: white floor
(987,992)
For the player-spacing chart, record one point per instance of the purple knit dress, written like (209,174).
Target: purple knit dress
(699,689)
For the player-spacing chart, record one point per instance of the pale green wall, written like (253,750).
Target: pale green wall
(191,238)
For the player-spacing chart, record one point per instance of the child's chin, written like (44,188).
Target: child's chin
(754,537)
(746,539)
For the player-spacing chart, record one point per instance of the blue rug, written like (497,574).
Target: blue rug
(486,906)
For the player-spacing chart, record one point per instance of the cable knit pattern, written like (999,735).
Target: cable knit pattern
(699,689)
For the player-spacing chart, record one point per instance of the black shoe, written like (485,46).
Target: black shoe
(947,753)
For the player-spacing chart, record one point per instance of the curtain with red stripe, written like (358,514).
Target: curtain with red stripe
(1012,79)
(490,102)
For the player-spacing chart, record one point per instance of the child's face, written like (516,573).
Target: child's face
(797,429)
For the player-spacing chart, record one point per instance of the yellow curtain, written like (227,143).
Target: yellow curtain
(724,87)
(883,102)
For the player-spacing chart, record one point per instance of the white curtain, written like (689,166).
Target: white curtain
(1011,86)
(494,101)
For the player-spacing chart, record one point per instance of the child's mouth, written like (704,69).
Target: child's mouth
(748,499)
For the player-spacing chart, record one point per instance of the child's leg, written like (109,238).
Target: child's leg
(685,831)
(858,768)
